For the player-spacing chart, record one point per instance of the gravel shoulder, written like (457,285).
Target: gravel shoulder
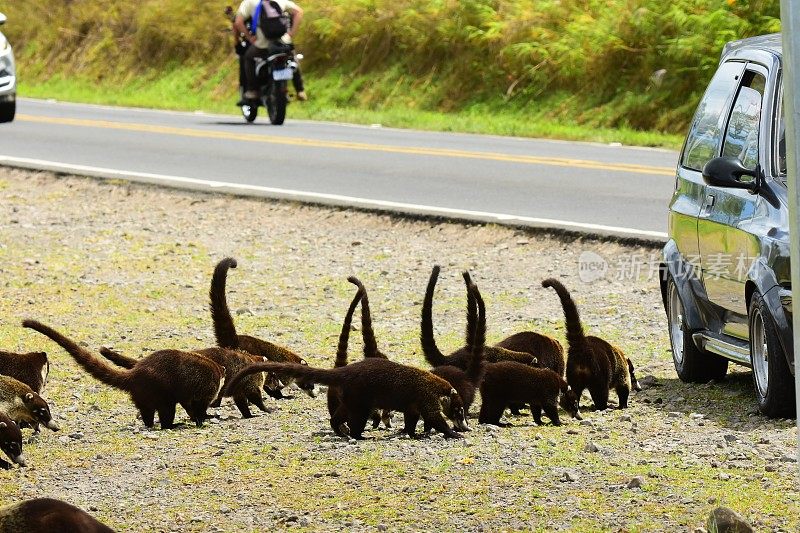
(116,264)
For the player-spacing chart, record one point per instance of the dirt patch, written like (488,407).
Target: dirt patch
(128,266)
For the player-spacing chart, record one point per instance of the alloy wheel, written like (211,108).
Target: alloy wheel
(759,352)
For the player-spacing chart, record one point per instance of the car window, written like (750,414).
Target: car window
(781,144)
(741,137)
(705,135)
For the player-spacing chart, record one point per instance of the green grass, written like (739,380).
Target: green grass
(179,89)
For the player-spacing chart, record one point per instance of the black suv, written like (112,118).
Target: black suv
(725,273)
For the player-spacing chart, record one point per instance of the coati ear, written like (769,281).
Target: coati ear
(535,361)
(303,362)
(29,397)
(3,425)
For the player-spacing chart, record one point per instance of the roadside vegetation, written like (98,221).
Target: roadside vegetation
(578,69)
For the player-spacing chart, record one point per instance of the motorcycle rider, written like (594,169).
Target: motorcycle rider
(259,43)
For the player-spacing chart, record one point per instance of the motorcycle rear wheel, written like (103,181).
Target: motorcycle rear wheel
(276,103)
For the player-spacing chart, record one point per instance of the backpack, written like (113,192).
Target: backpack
(273,21)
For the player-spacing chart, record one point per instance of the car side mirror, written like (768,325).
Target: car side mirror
(2,19)
(728,172)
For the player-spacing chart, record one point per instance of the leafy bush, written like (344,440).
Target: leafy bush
(639,64)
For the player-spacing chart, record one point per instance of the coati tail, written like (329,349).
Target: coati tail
(344,336)
(429,348)
(306,373)
(367,333)
(224,329)
(117,358)
(575,334)
(476,366)
(97,368)
(472,312)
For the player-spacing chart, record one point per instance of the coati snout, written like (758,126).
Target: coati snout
(453,408)
(40,411)
(309,388)
(11,443)
(634,381)
(569,402)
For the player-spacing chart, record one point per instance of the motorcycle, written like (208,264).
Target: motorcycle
(273,75)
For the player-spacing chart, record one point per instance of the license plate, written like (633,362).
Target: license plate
(282,74)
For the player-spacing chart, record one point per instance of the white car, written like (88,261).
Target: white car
(8,78)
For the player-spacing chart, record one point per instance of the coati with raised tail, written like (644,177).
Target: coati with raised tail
(10,442)
(530,354)
(592,363)
(225,332)
(156,383)
(377,383)
(48,515)
(23,405)
(335,393)
(30,368)
(371,348)
(508,382)
(233,361)
(466,382)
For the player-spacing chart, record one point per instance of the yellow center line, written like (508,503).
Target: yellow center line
(344,145)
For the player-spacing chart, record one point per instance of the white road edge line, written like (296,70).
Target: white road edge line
(331,199)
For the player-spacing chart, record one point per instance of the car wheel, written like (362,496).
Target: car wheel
(772,380)
(692,364)
(7,111)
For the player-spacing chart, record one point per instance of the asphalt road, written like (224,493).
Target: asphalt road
(586,187)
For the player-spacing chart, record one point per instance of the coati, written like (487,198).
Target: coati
(508,382)
(22,405)
(466,382)
(539,345)
(10,442)
(335,393)
(225,332)
(233,361)
(377,383)
(48,515)
(371,348)
(592,363)
(30,368)
(156,383)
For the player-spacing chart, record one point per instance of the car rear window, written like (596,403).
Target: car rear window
(705,135)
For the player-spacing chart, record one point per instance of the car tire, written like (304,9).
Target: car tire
(692,364)
(7,111)
(772,380)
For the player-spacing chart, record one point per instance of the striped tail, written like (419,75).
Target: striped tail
(224,329)
(432,353)
(97,368)
(476,366)
(344,336)
(574,328)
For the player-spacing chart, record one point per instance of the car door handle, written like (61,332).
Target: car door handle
(708,205)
